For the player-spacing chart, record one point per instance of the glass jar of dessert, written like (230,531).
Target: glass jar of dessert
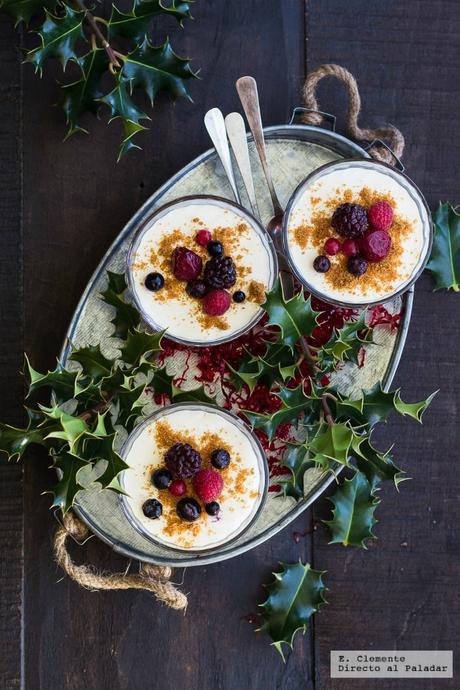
(199,268)
(357,232)
(197,477)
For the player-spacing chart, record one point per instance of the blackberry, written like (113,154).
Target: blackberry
(161,479)
(350,220)
(212,508)
(183,461)
(220,272)
(188,509)
(321,264)
(152,508)
(154,281)
(197,288)
(220,458)
(357,265)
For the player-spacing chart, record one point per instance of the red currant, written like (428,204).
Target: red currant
(332,246)
(350,248)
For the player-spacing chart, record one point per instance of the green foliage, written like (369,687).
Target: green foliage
(295,595)
(444,263)
(106,74)
(353,514)
(294,317)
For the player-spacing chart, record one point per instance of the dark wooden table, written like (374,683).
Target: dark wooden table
(60,207)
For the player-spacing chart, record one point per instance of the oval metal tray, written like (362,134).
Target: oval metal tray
(293,152)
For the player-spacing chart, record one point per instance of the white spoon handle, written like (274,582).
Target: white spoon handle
(236,132)
(215,125)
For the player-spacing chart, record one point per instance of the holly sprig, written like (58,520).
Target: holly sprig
(109,57)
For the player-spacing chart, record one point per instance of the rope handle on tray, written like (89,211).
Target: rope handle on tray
(152,578)
(389,152)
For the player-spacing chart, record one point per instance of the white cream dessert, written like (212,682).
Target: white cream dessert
(342,268)
(200,496)
(174,302)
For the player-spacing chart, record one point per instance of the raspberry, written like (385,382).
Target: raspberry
(208,485)
(350,248)
(183,461)
(380,215)
(203,237)
(350,220)
(220,272)
(178,487)
(332,246)
(357,265)
(186,265)
(216,302)
(375,245)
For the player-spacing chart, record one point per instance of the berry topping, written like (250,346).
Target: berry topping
(212,508)
(350,248)
(380,215)
(239,296)
(161,479)
(186,265)
(203,237)
(208,485)
(177,487)
(321,264)
(220,458)
(216,302)
(188,509)
(152,508)
(332,246)
(154,282)
(215,248)
(357,265)
(375,245)
(220,272)
(197,288)
(183,461)
(350,220)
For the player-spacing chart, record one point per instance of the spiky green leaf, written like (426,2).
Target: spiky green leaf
(294,317)
(295,595)
(331,444)
(353,513)
(24,10)
(444,263)
(65,491)
(135,23)
(123,108)
(297,460)
(58,38)
(92,362)
(83,94)
(126,315)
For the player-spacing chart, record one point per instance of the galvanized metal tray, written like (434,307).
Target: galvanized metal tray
(293,152)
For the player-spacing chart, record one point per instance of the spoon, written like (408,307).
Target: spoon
(249,97)
(236,132)
(215,125)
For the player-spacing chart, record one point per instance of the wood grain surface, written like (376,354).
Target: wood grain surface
(62,204)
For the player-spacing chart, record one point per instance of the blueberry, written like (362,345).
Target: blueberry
(197,288)
(152,508)
(357,265)
(212,508)
(215,248)
(321,264)
(161,479)
(220,458)
(239,296)
(154,282)
(188,509)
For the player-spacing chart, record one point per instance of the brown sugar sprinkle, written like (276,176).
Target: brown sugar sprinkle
(380,276)
(234,478)
(256,292)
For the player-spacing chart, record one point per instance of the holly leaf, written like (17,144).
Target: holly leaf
(129,403)
(58,37)
(163,384)
(63,382)
(295,595)
(102,448)
(15,441)
(297,460)
(414,410)
(122,108)
(294,401)
(376,466)
(134,24)
(346,342)
(92,362)
(278,364)
(69,428)
(294,317)
(126,316)
(332,445)
(156,68)
(24,10)
(68,486)
(375,405)
(84,94)
(353,513)
(139,345)
(444,263)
